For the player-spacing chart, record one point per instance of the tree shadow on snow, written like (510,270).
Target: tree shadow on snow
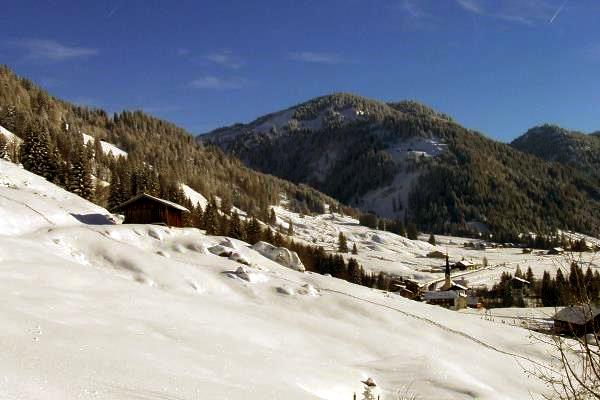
(93,219)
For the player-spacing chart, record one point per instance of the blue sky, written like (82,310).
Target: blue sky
(497,66)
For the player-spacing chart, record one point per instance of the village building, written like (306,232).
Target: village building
(577,320)
(406,287)
(436,254)
(556,251)
(147,209)
(451,299)
(451,295)
(464,265)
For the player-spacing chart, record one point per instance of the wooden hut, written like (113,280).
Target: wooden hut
(577,320)
(146,209)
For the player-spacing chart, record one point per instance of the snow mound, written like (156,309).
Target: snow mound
(249,275)
(280,255)
(221,251)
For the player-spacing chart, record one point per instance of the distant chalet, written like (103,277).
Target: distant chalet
(146,209)
(577,320)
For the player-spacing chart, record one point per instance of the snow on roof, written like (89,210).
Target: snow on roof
(458,286)
(466,263)
(163,201)
(577,315)
(516,278)
(442,295)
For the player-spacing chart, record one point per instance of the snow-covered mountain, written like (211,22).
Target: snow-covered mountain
(93,309)
(406,161)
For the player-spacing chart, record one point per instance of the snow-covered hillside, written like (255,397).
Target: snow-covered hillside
(8,134)
(107,148)
(397,255)
(98,311)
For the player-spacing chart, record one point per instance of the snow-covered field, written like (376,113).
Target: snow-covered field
(397,255)
(92,310)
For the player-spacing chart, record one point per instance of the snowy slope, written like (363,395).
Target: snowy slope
(9,135)
(28,203)
(195,197)
(397,255)
(148,312)
(107,148)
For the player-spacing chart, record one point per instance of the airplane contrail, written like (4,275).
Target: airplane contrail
(113,10)
(558,11)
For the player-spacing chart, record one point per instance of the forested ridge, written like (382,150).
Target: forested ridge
(342,145)
(160,155)
(553,143)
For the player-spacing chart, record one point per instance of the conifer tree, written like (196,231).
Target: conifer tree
(290,230)
(197,216)
(342,243)
(226,204)
(253,231)
(223,225)
(80,177)
(211,217)
(272,217)
(507,295)
(529,276)
(235,227)
(431,239)
(354,271)
(354,249)
(115,193)
(518,272)
(546,290)
(35,150)
(411,231)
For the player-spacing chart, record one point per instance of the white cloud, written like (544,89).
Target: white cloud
(53,51)
(225,58)
(471,6)
(213,82)
(527,12)
(412,9)
(316,58)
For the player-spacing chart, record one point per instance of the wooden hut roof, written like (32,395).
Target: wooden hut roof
(158,200)
(577,315)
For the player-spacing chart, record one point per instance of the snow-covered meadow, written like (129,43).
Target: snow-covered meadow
(397,255)
(96,310)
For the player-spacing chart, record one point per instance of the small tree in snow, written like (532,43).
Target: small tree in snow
(431,239)
(411,231)
(354,249)
(342,243)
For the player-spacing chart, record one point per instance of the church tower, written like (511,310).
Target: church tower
(448,282)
